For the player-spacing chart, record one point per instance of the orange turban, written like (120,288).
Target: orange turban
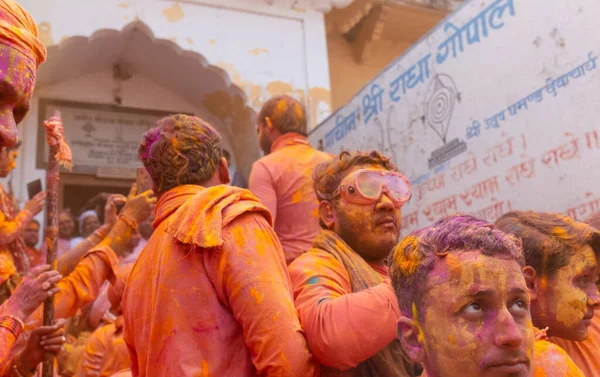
(115,291)
(19,31)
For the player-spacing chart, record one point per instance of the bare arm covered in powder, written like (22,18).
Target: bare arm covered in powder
(334,318)
(261,184)
(67,263)
(250,273)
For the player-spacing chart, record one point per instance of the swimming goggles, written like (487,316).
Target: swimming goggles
(366,186)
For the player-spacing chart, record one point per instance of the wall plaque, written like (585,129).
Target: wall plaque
(101,137)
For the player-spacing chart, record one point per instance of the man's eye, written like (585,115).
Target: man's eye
(519,306)
(473,308)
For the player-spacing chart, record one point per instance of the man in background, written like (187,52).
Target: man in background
(237,179)
(31,237)
(282,180)
(465,304)
(341,285)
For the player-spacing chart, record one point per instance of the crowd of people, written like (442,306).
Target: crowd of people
(303,274)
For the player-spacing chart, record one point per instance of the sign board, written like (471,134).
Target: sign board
(495,109)
(104,139)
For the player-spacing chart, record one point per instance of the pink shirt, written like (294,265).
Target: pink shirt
(342,328)
(283,182)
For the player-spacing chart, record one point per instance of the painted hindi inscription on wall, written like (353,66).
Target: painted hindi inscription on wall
(493,110)
(100,136)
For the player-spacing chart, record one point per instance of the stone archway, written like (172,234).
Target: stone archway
(184,72)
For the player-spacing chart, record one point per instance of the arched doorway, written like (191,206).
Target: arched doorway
(114,85)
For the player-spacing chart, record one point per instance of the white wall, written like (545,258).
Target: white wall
(264,49)
(137,92)
(538,66)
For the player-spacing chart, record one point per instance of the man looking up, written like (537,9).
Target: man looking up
(282,180)
(342,292)
(585,353)
(465,304)
(561,255)
(213,266)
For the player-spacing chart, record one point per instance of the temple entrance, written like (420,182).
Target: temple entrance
(108,100)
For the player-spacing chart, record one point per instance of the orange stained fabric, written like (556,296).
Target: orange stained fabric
(124,373)
(549,360)
(82,285)
(283,182)
(340,326)
(18,30)
(105,353)
(115,291)
(585,354)
(35,256)
(12,225)
(210,294)
(7,344)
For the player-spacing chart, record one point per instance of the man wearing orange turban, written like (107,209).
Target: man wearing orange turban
(21,53)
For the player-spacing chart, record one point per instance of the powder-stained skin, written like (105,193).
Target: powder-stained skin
(17,78)
(476,318)
(570,295)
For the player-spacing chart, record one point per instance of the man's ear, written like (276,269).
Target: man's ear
(327,214)
(533,285)
(411,338)
(223,171)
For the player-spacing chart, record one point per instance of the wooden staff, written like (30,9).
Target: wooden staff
(59,154)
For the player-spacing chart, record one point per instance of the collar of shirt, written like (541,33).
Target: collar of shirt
(287,139)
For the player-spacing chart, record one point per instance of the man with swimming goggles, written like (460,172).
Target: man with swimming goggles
(342,290)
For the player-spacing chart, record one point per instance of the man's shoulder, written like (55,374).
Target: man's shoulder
(552,360)
(312,259)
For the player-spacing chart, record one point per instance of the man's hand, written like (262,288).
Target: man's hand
(139,207)
(36,204)
(110,210)
(34,290)
(45,341)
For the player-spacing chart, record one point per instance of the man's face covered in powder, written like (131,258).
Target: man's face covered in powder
(17,79)
(371,230)
(475,319)
(566,300)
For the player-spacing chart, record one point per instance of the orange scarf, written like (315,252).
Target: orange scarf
(18,30)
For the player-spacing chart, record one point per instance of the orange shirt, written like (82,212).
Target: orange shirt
(124,373)
(35,256)
(585,354)
(283,182)
(82,285)
(105,353)
(549,360)
(7,344)
(210,294)
(342,328)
